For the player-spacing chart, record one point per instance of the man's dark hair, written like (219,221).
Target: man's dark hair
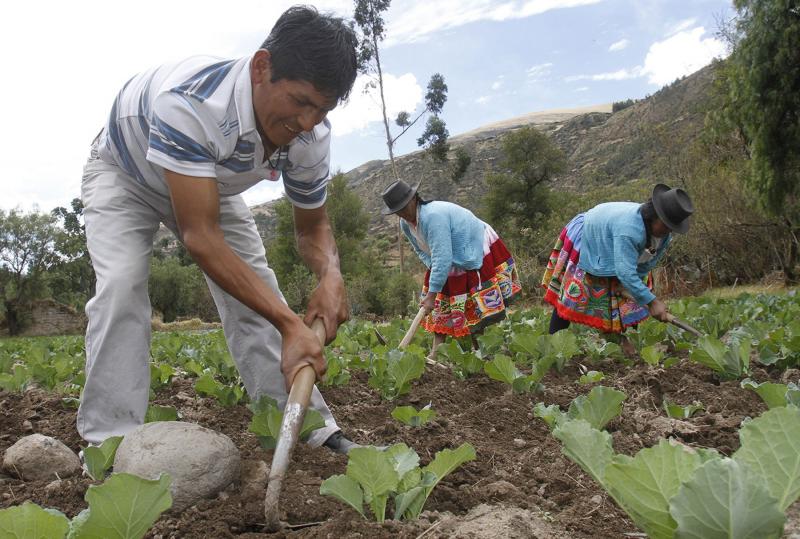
(321,49)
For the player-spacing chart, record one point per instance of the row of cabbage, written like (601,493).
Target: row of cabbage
(740,332)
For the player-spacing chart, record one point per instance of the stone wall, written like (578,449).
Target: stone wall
(49,317)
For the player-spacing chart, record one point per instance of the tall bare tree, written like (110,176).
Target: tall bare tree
(369,18)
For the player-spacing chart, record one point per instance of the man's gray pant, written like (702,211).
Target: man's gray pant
(121,218)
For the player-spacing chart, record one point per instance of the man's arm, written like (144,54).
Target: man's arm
(195,202)
(317,248)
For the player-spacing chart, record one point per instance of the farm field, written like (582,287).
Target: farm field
(535,408)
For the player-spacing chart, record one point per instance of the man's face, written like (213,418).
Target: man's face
(285,108)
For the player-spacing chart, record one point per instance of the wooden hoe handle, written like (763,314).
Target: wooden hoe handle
(413,328)
(683,325)
(293,416)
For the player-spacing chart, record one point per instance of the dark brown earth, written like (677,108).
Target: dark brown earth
(519,469)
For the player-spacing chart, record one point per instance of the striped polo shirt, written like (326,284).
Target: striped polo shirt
(195,117)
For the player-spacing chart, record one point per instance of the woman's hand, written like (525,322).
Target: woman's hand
(428,302)
(658,310)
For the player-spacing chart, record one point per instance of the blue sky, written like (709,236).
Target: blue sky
(500,59)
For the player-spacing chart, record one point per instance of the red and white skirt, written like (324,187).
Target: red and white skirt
(473,299)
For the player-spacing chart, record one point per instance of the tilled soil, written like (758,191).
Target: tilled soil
(520,485)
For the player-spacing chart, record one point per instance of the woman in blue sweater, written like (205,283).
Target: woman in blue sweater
(599,270)
(471,275)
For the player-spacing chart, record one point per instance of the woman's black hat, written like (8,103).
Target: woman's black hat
(397,196)
(673,206)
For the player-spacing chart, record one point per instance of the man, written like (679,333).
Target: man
(182,142)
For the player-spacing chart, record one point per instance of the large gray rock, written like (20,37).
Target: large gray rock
(201,462)
(38,458)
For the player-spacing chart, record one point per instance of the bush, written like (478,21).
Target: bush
(402,291)
(385,292)
(461,164)
(178,290)
(297,287)
(517,198)
(620,105)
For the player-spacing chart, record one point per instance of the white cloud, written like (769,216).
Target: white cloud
(482,100)
(681,26)
(539,71)
(416,20)
(582,89)
(679,55)
(364,108)
(620,74)
(496,85)
(619,45)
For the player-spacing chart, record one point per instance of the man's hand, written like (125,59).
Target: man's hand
(658,310)
(428,302)
(300,348)
(329,303)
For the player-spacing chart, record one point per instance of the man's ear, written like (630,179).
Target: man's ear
(261,66)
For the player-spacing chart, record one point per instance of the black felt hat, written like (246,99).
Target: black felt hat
(673,206)
(397,195)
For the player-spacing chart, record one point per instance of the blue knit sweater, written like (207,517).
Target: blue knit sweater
(454,236)
(613,239)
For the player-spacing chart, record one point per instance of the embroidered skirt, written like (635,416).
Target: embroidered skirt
(599,302)
(473,299)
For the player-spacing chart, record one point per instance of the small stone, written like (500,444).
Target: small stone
(596,499)
(27,426)
(253,476)
(501,489)
(519,443)
(52,486)
(790,375)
